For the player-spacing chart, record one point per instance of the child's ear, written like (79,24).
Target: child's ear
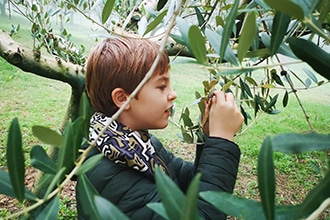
(119,97)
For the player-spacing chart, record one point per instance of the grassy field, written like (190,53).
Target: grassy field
(39,101)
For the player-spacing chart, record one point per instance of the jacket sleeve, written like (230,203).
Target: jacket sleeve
(217,160)
(218,163)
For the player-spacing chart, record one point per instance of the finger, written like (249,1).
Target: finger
(218,96)
(230,97)
(207,105)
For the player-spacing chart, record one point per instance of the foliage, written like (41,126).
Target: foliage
(59,172)
(232,52)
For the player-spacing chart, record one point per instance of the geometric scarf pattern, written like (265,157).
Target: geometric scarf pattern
(131,149)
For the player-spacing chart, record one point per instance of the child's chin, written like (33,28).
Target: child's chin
(161,126)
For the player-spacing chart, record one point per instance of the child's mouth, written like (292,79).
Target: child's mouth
(169,111)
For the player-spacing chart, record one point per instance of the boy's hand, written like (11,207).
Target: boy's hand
(224,116)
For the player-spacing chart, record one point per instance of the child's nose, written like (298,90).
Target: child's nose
(172,95)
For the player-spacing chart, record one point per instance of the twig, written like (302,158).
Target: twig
(251,123)
(320,209)
(91,19)
(289,81)
(296,95)
(253,67)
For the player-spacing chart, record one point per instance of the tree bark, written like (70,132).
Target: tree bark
(34,62)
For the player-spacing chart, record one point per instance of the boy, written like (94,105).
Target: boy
(125,176)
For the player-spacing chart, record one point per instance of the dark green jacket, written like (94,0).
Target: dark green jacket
(217,160)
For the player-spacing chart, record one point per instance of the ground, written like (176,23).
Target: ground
(12,206)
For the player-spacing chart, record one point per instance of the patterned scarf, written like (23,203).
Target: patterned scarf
(125,147)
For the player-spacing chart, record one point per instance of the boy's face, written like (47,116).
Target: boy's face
(152,108)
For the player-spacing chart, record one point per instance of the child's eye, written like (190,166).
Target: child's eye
(163,87)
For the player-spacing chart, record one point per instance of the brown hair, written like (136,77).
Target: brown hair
(119,63)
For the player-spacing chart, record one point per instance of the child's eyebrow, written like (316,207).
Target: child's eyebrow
(162,78)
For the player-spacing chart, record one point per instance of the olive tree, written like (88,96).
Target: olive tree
(246,46)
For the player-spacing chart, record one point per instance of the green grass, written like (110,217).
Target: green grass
(33,100)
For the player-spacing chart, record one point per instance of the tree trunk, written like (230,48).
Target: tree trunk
(3,8)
